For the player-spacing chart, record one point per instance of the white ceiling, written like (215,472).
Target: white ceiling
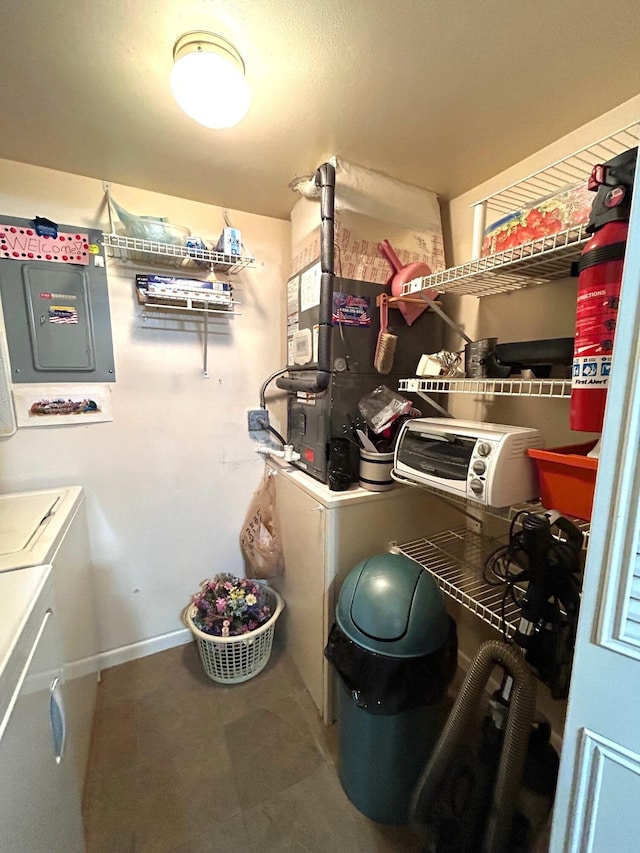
(439,93)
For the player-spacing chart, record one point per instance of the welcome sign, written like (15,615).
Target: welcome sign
(19,243)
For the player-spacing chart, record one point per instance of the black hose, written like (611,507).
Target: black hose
(456,731)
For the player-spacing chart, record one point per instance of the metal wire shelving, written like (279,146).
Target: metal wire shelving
(456,558)
(543,260)
(170,256)
(549,388)
(540,261)
(566,171)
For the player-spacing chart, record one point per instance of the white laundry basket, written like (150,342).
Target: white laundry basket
(231,660)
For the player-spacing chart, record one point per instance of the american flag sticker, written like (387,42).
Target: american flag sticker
(63,314)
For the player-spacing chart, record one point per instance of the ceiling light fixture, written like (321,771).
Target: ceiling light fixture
(207,80)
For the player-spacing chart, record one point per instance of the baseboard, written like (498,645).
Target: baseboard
(124,654)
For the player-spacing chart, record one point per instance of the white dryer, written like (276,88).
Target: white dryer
(49,527)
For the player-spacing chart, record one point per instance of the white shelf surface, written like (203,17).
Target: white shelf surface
(539,262)
(573,169)
(152,308)
(173,255)
(456,558)
(553,388)
(545,259)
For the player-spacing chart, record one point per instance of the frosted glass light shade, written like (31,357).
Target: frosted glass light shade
(207,80)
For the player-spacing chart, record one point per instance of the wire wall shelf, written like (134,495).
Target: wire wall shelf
(550,388)
(154,308)
(539,262)
(195,303)
(573,169)
(171,255)
(456,558)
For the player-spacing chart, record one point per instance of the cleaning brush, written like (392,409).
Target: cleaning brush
(386,344)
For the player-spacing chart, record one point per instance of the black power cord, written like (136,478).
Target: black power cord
(539,575)
(263,404)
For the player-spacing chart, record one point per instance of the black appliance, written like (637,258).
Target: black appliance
(317,422)
(331,346)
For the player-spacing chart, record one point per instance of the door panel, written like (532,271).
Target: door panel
(607,795)
(599,783)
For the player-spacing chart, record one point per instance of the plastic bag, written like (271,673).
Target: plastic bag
(382,407)
(259,540)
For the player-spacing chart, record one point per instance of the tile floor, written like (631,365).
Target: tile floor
(180,764)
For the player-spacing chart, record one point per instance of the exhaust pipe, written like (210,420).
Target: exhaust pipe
(325,179)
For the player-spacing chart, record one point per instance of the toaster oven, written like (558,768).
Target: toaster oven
(482,462)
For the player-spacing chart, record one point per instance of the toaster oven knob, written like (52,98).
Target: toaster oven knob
(479,467)
(484,448)
(477,486)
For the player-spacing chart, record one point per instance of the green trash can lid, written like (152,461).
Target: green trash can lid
(390,605)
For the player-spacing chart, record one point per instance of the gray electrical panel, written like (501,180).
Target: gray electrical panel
(56,312)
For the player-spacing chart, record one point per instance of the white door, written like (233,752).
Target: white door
(598,799)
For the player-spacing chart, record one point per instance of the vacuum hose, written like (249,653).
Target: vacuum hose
(455,734)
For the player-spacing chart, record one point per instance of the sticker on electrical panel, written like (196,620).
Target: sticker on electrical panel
(63,314)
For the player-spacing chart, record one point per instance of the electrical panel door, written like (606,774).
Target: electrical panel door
(56,313)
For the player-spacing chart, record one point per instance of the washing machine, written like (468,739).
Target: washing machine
(40,801)
(49,527)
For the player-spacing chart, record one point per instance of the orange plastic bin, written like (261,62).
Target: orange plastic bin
(567,478)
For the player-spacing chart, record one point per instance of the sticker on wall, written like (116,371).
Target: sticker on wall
(20,243)
(56,405)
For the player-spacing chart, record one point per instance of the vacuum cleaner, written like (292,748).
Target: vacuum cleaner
(494,796)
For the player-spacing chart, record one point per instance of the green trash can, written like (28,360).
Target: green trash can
(395,650)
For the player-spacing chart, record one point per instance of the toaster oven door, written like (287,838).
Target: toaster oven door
(445,458)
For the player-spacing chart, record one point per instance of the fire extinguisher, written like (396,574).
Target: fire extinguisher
(599,280)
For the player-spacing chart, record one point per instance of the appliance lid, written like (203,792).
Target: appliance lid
(32,525)
(21,517)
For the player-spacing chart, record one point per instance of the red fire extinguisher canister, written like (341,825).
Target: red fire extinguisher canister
(599,282)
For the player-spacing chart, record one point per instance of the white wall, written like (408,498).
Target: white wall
(169,480)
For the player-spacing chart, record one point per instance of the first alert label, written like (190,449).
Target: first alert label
(591,371)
